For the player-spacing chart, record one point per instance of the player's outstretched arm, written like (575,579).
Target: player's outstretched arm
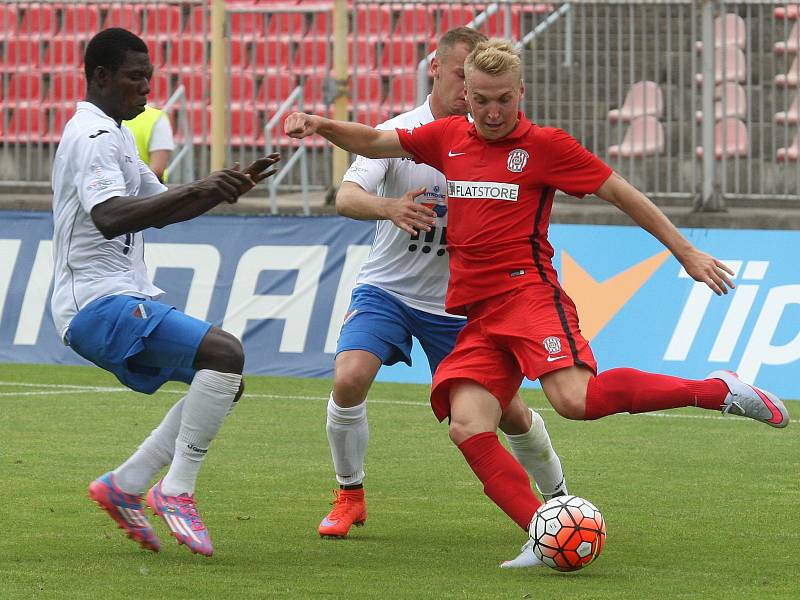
(355,202)
(699,265)
(353,137)
(121,215)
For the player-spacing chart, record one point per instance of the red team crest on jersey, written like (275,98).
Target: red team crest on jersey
(517,159)
(552,344)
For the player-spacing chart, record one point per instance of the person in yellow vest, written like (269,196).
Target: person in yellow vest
(153,134)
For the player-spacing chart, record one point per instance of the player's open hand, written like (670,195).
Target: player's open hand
(299,125)
(225,185)
(409,215)
(707,269)
(257,171)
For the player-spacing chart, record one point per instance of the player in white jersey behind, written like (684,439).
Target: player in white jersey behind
(104,305)
(400,293)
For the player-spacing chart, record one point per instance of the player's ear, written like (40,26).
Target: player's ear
(435,67)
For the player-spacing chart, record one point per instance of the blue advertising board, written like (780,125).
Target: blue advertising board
(282,285)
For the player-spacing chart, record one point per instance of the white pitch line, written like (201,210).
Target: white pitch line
(65,389)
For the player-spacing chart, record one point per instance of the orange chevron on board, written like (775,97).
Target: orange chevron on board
(599,302)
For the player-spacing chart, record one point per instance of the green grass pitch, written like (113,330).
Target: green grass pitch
(697,506)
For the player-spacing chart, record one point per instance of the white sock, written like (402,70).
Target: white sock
(535,453)
(348,434)
(204,409)
(154,453)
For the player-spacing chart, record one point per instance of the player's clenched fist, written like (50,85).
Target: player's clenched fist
(299,125)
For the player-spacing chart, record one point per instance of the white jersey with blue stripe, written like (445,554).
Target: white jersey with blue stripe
(96,160)
(414,269)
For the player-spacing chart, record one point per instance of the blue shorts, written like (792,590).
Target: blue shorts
(383,325)
(143,342)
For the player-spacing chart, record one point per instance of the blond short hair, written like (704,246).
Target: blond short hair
(495,56)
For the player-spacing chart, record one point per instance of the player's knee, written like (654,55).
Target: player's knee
(570,406)
(220,351)
(459,432)
(349,391)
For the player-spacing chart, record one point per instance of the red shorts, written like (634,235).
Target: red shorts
(527,332)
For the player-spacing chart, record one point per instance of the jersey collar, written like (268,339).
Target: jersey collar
(93,108)
(521,130)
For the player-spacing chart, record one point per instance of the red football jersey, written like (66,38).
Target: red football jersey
(499,196)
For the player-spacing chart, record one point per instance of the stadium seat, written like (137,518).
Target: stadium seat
(361,53)
(155,47)
(66,88)
(789,12)
(312,56)
(242,90)
(791,152)
(57,117)
(315,91)
(246,128)
(731,101)
(452,15)
(730,30)
(162,22)
(644,137)
(239,55)
(272,55)
(643,98)
(79,20)
(160,89)
(290,26)
(274,89)
(402,94)
(792,114)
(38,22)
(26,124)
(791,43)
(186,54)
(9,18)
(369,114)
(399,56)
(63,53)
(128,16)
(729,65)
(20,54)
(730,139)
(791,77)
(373,22)
(321,26)
(365,88)
(23,88)
(415,22)
(495,24)
(197,87)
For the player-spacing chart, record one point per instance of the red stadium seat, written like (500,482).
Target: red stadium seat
(57,117)
(792,114)
(66,88)
(361,53)
(80,19)
(242,90)
(417,22)
(789,12)
(644,137)
(63,53)
(274,89)
(200,124)
(369,114)
(186,54)
(791,43)
(272,55)
(321,26)
(23,87)
(643,98)
(287,25)
(730,139)
(315,91)
(38,22)
(9,17)
(399,56)
(155,47)
(313,56)
(495,24)
(126,16)
(26,124)
(791,77)
(791,152)
(246,128)
(373,22)
(365,88)
(731,101)
(402,94)
(197,87)
(20,54)
(162,22)
(453,15)
(160,88)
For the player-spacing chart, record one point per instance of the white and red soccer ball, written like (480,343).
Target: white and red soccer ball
(567,533)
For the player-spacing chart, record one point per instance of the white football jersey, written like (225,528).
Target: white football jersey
(96,160)
(414,269)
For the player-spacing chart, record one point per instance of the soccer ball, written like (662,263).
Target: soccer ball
(567,533)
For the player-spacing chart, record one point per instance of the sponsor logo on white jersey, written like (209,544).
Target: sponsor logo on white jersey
(488,190)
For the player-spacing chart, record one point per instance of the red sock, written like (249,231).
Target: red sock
(504,480)
(629,390)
